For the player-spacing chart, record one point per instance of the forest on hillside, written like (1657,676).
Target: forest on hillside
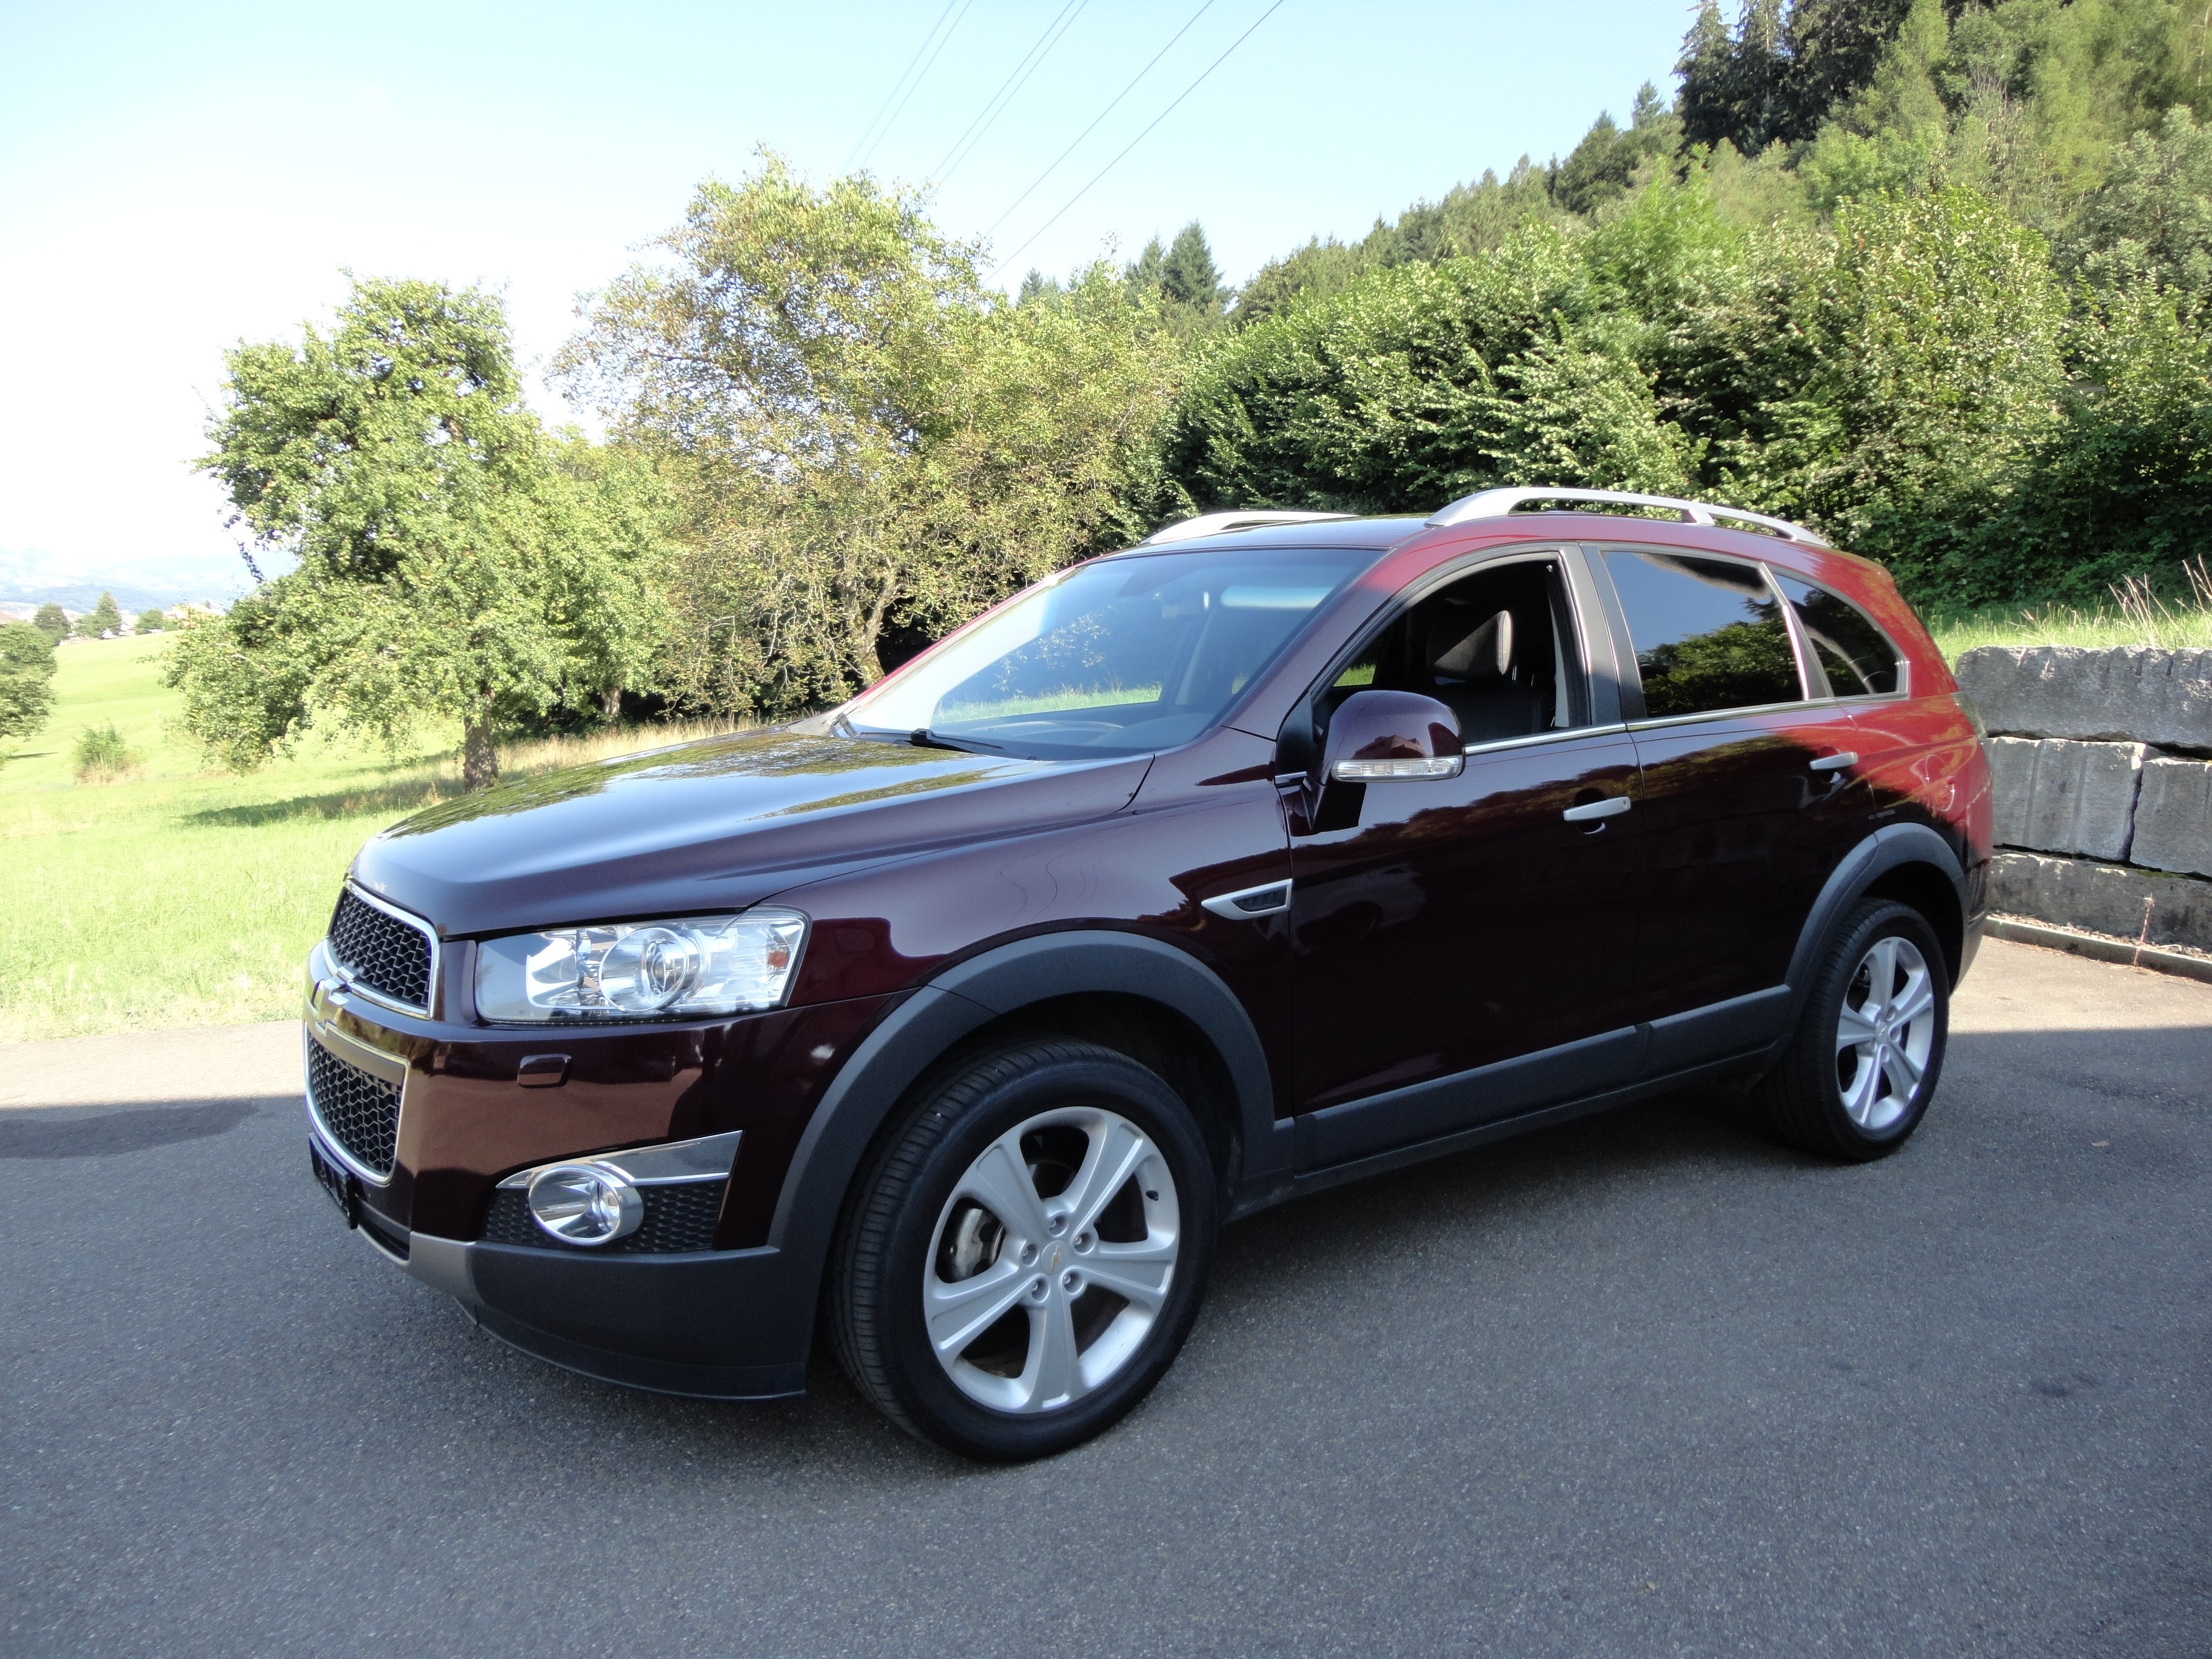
(1930,275)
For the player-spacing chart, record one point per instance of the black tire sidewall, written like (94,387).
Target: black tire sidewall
(1875,920)
(1061,1076)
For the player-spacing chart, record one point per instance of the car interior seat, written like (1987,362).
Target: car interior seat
(1491,663)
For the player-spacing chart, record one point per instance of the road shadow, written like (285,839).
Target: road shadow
(61,1132)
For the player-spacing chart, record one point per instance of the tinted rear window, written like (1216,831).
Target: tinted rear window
(1857,656)
(1708,634)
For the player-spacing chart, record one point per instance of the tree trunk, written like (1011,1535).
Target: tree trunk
(479,754)
(871,632)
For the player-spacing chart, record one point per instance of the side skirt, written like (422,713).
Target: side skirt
(1735,1067)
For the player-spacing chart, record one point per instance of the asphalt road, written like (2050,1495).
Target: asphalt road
(1643,1385)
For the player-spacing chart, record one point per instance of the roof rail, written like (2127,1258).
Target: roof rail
(1497,503)
(1214,524)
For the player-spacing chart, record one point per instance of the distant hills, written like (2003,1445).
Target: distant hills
(35,578)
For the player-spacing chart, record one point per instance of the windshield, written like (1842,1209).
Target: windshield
(1118,656)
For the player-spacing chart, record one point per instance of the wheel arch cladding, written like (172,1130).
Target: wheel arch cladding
(1123,991)
(1908,862)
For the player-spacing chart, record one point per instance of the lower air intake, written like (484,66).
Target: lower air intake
(361,1113)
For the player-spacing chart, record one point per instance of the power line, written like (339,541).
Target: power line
(1138,139)
(1101,116)
(915,85)
(900,82)
(1000,98)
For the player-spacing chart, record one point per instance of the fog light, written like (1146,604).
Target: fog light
(586,1203)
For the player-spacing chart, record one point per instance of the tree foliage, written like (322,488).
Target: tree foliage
(50,622)
(864,441)
(26,678)
(455,561)
(1931,274)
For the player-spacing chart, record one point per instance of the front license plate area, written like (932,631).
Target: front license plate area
(336,1183)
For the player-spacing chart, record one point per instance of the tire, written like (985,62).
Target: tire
(1024,1256)
(1860,1067)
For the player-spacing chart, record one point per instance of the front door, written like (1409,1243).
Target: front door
(1463,947)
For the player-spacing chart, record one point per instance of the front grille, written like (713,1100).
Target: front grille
(678,1217)
(358,1111)
(380,951)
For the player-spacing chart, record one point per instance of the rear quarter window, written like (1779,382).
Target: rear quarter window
(1857,657)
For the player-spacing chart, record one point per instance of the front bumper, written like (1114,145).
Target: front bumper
(730,1322)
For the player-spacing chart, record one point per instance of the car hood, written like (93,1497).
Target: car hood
(714,826)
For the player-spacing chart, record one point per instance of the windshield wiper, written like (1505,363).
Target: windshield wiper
(922,737)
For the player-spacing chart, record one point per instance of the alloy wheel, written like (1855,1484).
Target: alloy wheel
(1885,1032)
(1051,1260)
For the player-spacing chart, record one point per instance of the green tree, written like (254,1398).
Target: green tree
(1601,167)
(1937,331)
(26,678)
(862,436)
(50,622)
(1182,279)
(455,561)
(151,620)
(102,619)
(1188,276)
(2157,198)
(2122,484)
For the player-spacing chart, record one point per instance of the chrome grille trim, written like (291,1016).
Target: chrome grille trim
(362,988)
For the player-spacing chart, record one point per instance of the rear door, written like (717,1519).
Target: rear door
(1462,948)
(1745,797)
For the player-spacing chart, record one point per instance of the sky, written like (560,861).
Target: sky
(176,177)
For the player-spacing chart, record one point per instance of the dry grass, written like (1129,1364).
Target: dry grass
(2138,615)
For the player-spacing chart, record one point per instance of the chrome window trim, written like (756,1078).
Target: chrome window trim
(1475,752)
(1731,714)
(1905,680)
(361,1058)
(369,992)
(664,1164)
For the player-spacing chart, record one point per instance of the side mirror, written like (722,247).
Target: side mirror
(1375,736)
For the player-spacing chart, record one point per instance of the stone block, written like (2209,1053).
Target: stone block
(2056,796)
(2173,817)
(2104,898)
(2127,693)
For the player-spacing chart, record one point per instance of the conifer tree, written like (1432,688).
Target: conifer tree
(102,619)
(1188,276)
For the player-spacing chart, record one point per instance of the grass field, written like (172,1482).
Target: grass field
(177,896)
(180,896)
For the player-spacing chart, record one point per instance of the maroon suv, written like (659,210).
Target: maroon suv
(1280,849)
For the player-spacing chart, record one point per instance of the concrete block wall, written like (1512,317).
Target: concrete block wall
(2101,765)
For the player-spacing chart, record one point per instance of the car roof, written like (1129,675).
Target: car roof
(1377,535)
(1383,534)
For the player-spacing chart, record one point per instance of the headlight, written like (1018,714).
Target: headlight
(695,965)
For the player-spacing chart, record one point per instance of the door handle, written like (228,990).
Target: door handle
(1611,807)
(1835,762)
